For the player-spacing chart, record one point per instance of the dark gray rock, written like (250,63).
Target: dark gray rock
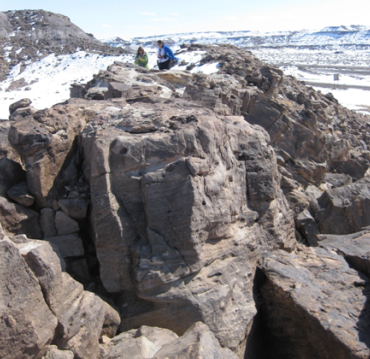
(19,104)
(47,221)
(20,194)
(315,306)
(345,209)
(308,227)
(80,313)
(11,173)
(70,245)
(65,224)
(27,324)
(74,208)
(16,219)
(354,247)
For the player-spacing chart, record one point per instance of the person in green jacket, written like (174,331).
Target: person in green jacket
(141,58)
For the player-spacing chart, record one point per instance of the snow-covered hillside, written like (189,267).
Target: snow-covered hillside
(48,81)
(330,37)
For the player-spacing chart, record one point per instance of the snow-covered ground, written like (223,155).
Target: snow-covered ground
(293,51)
(50,78)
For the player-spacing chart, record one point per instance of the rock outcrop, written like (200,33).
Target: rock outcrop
(171,193)
(42,303)
(315,306)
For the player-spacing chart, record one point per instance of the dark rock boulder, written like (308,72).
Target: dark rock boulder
(345,209)
(26,323)
(354,247)
(315,306)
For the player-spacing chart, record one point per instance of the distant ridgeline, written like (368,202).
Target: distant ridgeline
(328,38)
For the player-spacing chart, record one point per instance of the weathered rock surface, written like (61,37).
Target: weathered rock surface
(26,323)
(46,142)
(315,306)
(54,353)
(70,245)
(74,208)
(354,247)
(65,224)
(20,194)
(191,179)
(80,314)
(11,173)
(151,342)
(47,222)
(197,342)
(178,195)
(25,102)
(6,150)
(16,219)
(345,209)
(112,320)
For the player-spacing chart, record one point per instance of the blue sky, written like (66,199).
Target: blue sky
(127,19)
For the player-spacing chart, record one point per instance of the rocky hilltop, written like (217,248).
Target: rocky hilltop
(29,35)
(199,216)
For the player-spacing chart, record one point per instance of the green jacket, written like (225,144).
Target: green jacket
(143,62)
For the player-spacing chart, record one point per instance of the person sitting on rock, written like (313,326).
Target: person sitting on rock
(141,58)
(165,56)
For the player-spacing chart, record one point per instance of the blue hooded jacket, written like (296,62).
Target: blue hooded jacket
(168,52)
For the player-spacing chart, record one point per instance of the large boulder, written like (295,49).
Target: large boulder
(315,306)
(345,209)
(197,342)
(80,313)
(142,343)
(46,141)
(355,248)
(27,324)
(19,193)
(16,219)
(182,202)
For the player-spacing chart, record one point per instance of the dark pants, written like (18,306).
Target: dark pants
(164,65)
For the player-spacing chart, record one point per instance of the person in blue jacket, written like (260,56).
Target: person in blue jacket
(165,55)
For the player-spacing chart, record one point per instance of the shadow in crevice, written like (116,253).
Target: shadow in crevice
(259,335)
(363,322)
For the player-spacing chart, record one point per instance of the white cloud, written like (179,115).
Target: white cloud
(107,26)
(174,14)
(148,13)
(165,19)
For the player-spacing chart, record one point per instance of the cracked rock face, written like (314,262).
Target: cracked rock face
(172,188)
(26,323)
(315,305)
